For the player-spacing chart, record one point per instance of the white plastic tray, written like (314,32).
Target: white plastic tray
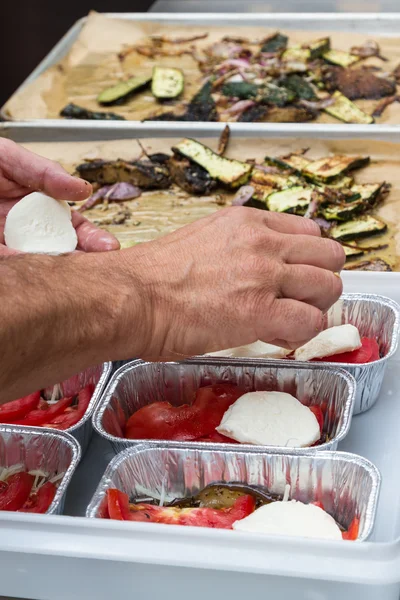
(65,557)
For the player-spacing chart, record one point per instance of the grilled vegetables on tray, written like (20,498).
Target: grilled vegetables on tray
(268,80)
(322,189)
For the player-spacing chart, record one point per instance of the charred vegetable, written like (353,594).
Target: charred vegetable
(202,106)
(275,43)
(230,172)
(167,83)
(190,177)
(142,173)
(319,48)
(360,228)
(343,212)
(240,89)
(295,162)
(275,95)
(345,110)
(72,111)
(341,58)
(299,86)
(122,91)
(289,114)
(293,200)
(253,114)
(224,495)
(357,83)
(328,169)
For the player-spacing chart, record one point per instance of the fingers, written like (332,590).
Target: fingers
(90,237)
(318,252)
(28,172)
(290,224)
(291,323)
(318,287)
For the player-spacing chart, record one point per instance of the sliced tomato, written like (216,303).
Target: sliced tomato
(352,532)
(195,517)
(14,496)
(217,438)
(213,401)
(118,505)
(40,502)
(369,352)
(16,409)
(319,415)
(72,415)
(40,416)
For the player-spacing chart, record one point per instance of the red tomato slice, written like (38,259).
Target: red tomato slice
(45,415)
(14,496)
(368,352)
(213,401)
(319,415)
(118,505)
(40,502)
(17,409)
(195,517)
(352,532)
(217,438)
(71,416)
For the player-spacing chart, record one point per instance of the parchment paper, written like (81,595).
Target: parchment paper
(92,65)
(156,213)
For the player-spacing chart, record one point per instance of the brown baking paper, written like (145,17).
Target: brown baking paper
(156,213)
(92,65)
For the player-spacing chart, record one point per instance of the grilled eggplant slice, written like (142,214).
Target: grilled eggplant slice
(357,229)
(240,89)
(357,83)
(228,171)
(122,91)
(289,114)
(294,200)
(275,43)
(299,86)
(72,111)
(341,58)
(167,83)
(345,110)
(275,95)
(253,114)
(202,106)
(329,168)
(319,48)
(142,173)
(190,177)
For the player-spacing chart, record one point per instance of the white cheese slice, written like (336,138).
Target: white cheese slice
(291,518)
(270,419)
(40,224)
(255,350)
(335,340)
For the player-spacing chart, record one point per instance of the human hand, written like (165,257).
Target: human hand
(234,277)
(23,172)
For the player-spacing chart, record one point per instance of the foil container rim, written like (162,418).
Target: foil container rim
(121,372)
(336,456)
(66,439)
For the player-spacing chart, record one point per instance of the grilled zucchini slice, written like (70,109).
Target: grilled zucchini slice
(341,58)
(329,168)
(341,182)
(294,162)
(299,86)
(336,212)
(368,192)
(293,200)
(274,180)
(360,228)
(345,110)
(275,43)
(261,192)
(167,83)
(319,48)
(296,54)
(352,252)
(228,171)
(120,93)
(240,89)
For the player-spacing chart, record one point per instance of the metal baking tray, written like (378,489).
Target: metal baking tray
(346,484)
(376,317)
(139,383)
(99,376)
(385,24)
(51,451)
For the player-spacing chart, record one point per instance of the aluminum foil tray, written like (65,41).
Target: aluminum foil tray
(51,451)
(139,383)
(346,484)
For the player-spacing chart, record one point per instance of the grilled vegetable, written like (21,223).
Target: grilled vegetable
(202,106)
(352,252)
(274,180)
(289,114)
(240,89)
(190,177)
(376,264)
(319,48)
(260,194)
(329,168)
(343,212)
(341,58)
(357,83)
(345,110)
(292,200)
(227,171)
(275,43)
(167,83)
(72,111)
(299,86)
(143,173)
(120,93)
(360,228)
(341,182)
(296,54)
(295,162)
(369,192)
(275,95)
(253,114)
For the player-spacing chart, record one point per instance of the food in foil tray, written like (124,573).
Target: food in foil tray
(323,189)
(48,409)
(224,413)
(268,80)
(27,491)
(234,506)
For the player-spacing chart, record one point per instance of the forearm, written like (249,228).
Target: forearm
(62,314)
